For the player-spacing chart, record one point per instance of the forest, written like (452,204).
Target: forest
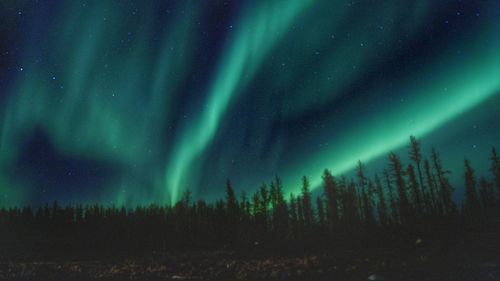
(406,202)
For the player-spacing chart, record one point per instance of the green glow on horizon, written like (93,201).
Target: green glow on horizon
(83,110)
(442,101)
(126,89)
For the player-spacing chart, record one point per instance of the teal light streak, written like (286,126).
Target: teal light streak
(108,96)
(432,103)
(258,31)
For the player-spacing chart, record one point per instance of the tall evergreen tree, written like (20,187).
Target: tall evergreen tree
(392,198)
(232,212)
(487,196)
(367,196)
(321,213)
(495,169)
(362,182)
(293,217)
(444,184)
(264,204)
(435,206)
(404,207)
(306,203)
(382,205)
(471,202)
(330,191)
(350,207)
(414,189)
(256,203)
(300,216)
(280,209)
(416,156)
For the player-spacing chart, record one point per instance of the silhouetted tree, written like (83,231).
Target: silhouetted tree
(444,184)
(280,209)
(471,204)
(392,198)
(264,203)
(495,169)
(321,213)
(300,216)
(293,217)
(232,211)
(349,209)
(416,156)
(434,202)
(414,188)
(330,191)
(487,197)
(382,205)
(306,203)
(364,196)
(404,207)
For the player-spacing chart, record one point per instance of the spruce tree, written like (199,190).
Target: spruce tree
(306,203)
(495,169)
(382,205)
(392,199)
(471,203)
(434,204)
(330,191)
(444,184)
(293,217)
(321,213)
(416,156)
(487,196)
(404,207)
(414,189)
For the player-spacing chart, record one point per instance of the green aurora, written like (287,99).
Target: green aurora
(173,97)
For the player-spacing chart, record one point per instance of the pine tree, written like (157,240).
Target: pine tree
(392,199)
(362,181)
(434,204)
(350,207)
(186,197)
(415,191)
(264,203)
(306,203)
(280,209)
(487,196)
(330,191)
(258,214)
(293,217)
(232,213)
(495,169)
(444,184)
(405,210)
(471,203)
(368,204)
(256,203)
(416,156)
(321,212)
(300,216)
(382,205)
(232,204)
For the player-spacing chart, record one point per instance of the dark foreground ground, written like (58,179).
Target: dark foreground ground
(420,262)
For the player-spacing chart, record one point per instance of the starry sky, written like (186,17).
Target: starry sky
(134,102)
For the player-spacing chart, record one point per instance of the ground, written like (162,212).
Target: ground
(428,264)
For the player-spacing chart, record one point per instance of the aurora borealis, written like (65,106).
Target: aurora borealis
(134,102)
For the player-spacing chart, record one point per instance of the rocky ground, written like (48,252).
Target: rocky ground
(346,265)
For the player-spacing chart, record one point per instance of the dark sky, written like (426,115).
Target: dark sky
(134,102)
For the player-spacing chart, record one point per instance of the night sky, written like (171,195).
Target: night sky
(133,102)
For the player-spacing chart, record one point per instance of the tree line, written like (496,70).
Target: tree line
(405,200)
